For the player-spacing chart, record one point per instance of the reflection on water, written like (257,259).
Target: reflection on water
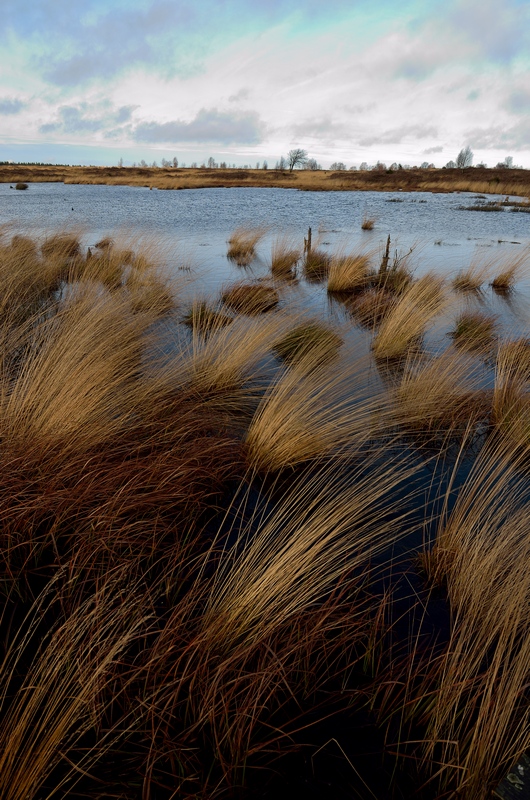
(194,225)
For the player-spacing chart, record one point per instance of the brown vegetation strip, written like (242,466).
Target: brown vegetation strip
(474,179)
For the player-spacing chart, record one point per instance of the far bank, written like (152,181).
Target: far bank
(473,179)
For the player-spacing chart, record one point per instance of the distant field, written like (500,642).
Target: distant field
(473,179)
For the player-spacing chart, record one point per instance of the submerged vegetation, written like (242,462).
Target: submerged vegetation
(223,528)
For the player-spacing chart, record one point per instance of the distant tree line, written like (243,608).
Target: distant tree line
(299,159)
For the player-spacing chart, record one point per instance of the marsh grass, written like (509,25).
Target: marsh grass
(371,307)
(472,278)
(404,326)
(217,528)
(285,255)
(204,318)
(308,413)
(250,298)
(368,223)
(479,720)
(242,245)
(440,394)
(316,265)
(312,339)
(511,272)
(69,686)
(349,272)
(474,330)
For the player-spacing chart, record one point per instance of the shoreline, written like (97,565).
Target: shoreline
(479,180)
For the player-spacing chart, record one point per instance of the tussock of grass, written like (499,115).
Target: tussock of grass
(77,384)
(285,255)
(368,223)
(61,245)
(229,357)
(66,691)
(307,414)
(204,318)
(474,330)
(438,394)
(478,724)
(372,306)
(251,298)
(242,245)
(406,323)
(511,272)
(510,408)
(349,273)
(472,278)
(316,265)
(311,339)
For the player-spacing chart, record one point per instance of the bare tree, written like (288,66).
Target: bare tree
(296,158)
(464,158)
(339,166)
(175,162)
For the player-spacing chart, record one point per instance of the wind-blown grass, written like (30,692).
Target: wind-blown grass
(307,414)
(407,321)
(242,245)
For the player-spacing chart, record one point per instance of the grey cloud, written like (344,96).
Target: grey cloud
(499,31)
(10,105)
(324,129)
(414,69)
(210,125)
(498,137)
(430,150)
(120,39)
(518,102)
(86,118)
(474,94)
(241,95)
(396,135)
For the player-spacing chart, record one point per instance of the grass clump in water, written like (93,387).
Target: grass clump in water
(404,326)
(242,245)
(316,265)
(372,306)
(474,330)
(349,273)
(284,257)
(251,298)
(203,318)
(312,339)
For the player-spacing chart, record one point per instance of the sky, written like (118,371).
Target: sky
(96,81)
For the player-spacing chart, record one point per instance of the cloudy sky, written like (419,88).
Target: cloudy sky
(93,81)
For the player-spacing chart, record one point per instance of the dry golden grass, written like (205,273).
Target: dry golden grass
(311,340)
(405,324)
(474,330)
(242,245)
(309,413)
(349,273)
(204,318)
(229,357)
(65,692)
(78,384)
(439,394)
(368,223)
(472,278)
(318,532)
(510,407)
(478,718)
(511,271)
(372,306)
(251,298)
(316,265)
(285,255)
